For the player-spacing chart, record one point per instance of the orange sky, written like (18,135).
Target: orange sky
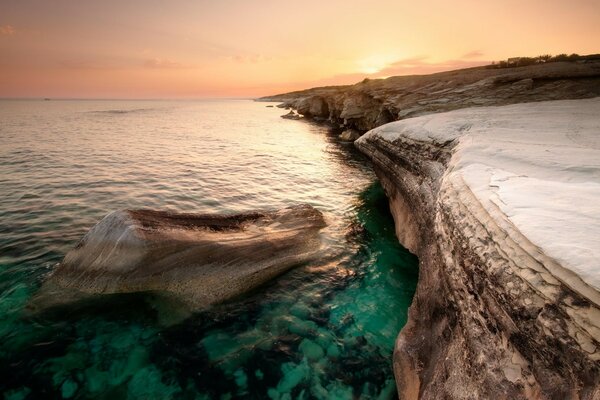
(246,48)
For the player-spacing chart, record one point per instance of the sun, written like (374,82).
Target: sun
(373,63)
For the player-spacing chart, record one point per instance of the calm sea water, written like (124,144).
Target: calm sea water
(324,330)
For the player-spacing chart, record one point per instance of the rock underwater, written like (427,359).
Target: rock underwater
(199,260)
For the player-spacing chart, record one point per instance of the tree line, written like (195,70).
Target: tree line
(542,59)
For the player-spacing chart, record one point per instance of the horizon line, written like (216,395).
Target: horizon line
(41,98)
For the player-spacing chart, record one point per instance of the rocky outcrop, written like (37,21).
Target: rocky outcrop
(291,115)
(197,259)
(374,102)
(501,206)
(349,135)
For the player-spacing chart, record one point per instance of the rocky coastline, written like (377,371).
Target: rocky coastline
(496,314)
(374,102)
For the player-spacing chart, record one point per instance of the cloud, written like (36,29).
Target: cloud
(164,63)
(81,64)
(249,59)
(410,66)
(105,63)
(472,54)
(420,66)
(7,30)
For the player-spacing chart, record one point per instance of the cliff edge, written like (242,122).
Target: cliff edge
(374,102)
(501,205)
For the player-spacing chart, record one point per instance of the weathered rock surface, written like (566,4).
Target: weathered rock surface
(198,259)
(501,205)
(291,115)
(371,103)
(349,135)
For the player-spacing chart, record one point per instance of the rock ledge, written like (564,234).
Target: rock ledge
(501,206)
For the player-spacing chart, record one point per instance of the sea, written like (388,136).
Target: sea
(323,330)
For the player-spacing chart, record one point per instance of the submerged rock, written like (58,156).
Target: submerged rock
(291,115)
(197,259)
(350,135)
(501,205)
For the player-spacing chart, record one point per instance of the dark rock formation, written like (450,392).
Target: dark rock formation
(197,259)
(291,115)
(350,135)
(374,102)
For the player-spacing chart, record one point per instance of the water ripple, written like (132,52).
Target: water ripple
(324,330)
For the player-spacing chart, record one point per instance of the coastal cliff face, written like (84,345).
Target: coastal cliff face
(372,103)
(499,203)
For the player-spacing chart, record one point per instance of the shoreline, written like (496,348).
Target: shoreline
(433,359)
(508,319)
(371,103)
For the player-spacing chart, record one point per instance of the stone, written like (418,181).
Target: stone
(291,115)
(197,259)
(350,135)
(311,350)
(313,106)
(501,205)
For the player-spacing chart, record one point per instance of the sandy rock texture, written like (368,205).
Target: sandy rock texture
(501,205)
(374,102)
(197,259)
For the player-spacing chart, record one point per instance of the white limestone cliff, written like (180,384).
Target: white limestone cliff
(502,205)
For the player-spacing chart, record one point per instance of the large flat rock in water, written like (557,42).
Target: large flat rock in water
(198,259)
(502,206)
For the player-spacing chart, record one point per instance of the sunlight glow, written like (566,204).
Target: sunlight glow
(249,48)
(374,63)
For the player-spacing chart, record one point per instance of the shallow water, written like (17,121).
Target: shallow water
(322,330)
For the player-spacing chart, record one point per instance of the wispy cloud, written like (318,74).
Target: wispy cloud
(410,66)
(163,63)
(472,54)
(420,65)
(249,59)
(86,64)
(111,63)
(7,30)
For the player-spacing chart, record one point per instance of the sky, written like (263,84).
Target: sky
(249,48)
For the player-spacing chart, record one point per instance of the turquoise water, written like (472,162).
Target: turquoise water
(322,330)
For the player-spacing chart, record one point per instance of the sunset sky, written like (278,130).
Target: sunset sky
(246,48)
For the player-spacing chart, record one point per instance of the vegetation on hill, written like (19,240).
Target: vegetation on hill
(542,59)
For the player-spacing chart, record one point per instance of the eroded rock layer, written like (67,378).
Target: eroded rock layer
(198,259)
(501,206)
(374,102)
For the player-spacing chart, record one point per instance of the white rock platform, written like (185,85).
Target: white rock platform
(502,205)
